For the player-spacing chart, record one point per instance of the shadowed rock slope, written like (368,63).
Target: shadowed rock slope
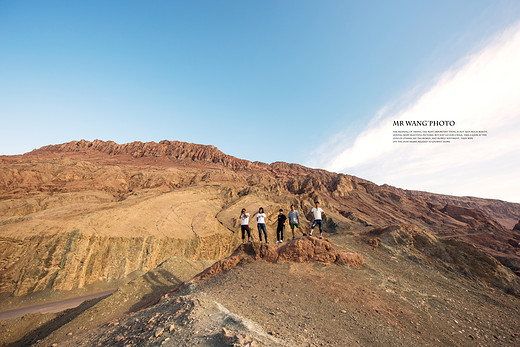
(454,255)
(129,297)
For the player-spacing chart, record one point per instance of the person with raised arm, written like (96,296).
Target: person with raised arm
(244,226)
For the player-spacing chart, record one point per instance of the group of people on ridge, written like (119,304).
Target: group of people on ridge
(294,222)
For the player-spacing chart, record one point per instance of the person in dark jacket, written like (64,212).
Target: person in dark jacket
(281,225)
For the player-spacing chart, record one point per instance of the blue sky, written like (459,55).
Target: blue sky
(261,80)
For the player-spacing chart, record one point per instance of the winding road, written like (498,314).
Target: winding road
(50,307)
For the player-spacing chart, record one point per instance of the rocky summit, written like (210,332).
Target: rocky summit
(159,224)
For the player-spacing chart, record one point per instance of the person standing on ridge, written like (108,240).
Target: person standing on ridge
(294,220)
(261,218)
(244,226)
(281,225)
(317,212)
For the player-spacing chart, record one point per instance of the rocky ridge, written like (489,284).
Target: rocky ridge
(169,149)
(506,213)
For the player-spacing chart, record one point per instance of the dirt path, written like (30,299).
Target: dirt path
(51,307)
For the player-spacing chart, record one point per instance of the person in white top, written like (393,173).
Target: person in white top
(261,218)
(317,212)
(244,226)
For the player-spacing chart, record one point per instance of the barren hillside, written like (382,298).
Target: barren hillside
(85,216)
(81,213)
(409,288)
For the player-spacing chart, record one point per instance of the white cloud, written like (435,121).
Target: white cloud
(481,93)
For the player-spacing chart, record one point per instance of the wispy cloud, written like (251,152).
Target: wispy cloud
(482,92)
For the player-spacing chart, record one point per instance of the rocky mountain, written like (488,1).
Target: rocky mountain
(84,213)
(86,216)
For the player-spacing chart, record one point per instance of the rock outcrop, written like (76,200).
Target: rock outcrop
(299,250)
(306,249)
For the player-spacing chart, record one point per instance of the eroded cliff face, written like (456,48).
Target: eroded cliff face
(67,261)
(81,212)
(49,244)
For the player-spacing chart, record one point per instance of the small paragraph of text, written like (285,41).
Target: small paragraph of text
(436,136)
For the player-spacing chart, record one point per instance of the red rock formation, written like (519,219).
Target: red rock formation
(298,250)
(506,213)
(169,149)
(472,217)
